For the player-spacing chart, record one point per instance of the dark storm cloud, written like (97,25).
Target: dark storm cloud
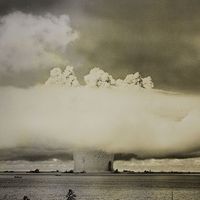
(7,6)
(147,36)
(160,38)
(33,154)
(129,156)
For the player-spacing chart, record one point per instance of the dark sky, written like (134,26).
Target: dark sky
(155,37)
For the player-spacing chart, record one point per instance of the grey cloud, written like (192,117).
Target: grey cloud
(31,42)
(34,154)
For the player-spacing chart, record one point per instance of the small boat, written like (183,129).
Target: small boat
(17,177)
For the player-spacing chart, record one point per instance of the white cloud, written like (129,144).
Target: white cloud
(62,79)
(97,78)
(29,42)
(127,120)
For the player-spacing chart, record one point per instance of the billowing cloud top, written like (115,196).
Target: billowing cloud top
(97,78)
(59,78)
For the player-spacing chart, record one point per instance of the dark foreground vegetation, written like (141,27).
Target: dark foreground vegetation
(70,196)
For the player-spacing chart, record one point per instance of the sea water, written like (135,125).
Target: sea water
(115,187)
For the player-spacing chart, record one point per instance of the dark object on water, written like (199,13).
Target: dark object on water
(17,177)
(71,195)
(25,198)
(34,171)
(70,171)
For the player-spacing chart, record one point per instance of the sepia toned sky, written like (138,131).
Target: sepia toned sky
(157,38)
(160,38)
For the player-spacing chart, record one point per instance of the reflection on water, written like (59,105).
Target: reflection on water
(50,187)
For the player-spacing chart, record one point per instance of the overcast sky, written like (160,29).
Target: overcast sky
(157,38)
(160,38)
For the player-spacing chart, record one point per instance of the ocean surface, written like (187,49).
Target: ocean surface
(116,187)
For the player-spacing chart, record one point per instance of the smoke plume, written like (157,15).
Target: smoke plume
(134,120)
